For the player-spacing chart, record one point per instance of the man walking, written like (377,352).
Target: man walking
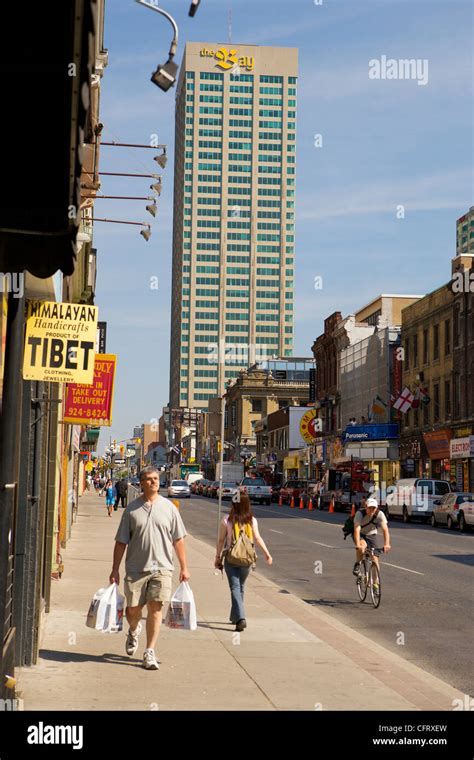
(150,527)
(121,488)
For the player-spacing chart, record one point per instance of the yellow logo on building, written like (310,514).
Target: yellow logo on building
(228,59)
(310,425)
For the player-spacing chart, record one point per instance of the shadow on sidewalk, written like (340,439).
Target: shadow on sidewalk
(58,656)
(216,625)
(332,602)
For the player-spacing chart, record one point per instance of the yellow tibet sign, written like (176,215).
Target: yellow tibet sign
(60,342)
(229,59)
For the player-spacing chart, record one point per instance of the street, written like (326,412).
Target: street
(427,590)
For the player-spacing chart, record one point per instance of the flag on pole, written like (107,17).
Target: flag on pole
(378,406)
(425,399)
(417,398)
(404,401)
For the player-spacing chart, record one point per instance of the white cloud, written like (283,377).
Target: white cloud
(443,190)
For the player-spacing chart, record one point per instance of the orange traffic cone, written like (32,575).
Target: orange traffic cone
(292,504)
(353,511)
(331,506)
(280,501)
(310,504)
(301,503)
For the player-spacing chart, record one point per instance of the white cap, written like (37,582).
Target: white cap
(371,502)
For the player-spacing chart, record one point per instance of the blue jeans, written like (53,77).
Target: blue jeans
(236,577)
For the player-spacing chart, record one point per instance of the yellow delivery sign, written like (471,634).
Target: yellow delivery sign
(60,342)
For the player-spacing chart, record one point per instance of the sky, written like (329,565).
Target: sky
(383,166)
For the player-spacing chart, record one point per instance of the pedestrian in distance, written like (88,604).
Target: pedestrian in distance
(150,528)
(240,517)
(121,489)
(109,497)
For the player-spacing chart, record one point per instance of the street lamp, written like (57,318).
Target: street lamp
(165,76)
(146,233)
(162,158)
(152,207)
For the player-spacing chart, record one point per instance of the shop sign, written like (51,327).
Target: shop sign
(463,432)
(462,448)
(410,465)
(290,463)
(310,425)
(437,444)
(382,432)
(86,404)
(59,342)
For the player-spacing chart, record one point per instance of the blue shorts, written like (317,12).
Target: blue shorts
(109,502)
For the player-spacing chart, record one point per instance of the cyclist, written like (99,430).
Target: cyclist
(366,530)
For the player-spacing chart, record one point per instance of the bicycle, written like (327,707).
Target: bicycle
(369,578)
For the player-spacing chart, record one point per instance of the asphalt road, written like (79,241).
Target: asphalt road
(426,612)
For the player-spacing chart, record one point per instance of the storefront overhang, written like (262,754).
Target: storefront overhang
(376,451)
(46,60)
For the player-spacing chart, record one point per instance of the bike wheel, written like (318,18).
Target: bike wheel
(375,587)
(362,580)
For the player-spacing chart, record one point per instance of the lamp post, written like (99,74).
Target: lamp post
(165,76)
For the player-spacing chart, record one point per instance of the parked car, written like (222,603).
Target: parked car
(413,497)
(179,488)
(228,490)
(454,509)
(257,490)
(276,492)
(292,488)
(213,488)
(202,484)
(206,487)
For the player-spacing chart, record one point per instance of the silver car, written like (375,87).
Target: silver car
(228,490)
(454,509)
(179,488)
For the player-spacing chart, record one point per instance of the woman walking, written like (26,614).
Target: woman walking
(240,517)
(109,497)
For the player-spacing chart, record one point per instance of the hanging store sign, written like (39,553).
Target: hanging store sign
(310,426)
(462,448)
(92,404)
(438,443)
(59,342)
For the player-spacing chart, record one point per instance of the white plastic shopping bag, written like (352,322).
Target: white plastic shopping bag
(106,610)
(182,609)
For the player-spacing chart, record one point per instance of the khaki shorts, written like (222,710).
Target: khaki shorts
(141,588)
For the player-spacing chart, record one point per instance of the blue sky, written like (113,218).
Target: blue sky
(385,143)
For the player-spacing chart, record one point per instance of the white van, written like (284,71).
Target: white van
(413,497)
(193,476)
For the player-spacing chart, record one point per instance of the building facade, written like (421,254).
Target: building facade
(428,339)
(234,215)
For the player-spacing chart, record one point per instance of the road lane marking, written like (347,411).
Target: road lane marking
(403,568)
(320,544)
(276,531)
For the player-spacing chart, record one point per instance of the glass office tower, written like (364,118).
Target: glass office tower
(234,215)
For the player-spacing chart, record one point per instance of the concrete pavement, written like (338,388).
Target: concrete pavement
(291,657)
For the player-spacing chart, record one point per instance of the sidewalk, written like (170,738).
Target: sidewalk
(291,657)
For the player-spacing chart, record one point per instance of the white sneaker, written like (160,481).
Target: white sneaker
(149,660)
(131,643)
